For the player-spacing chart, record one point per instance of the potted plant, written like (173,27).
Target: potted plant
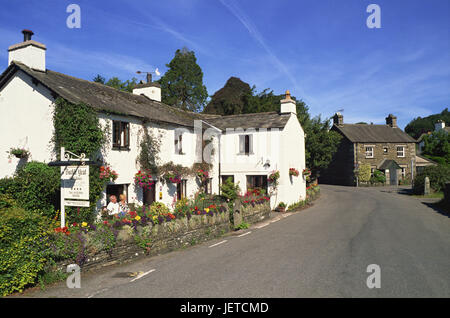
(281,207)
(203,175)
(306,174)
(144,180)
(19,152)
(107,173)
(172,177)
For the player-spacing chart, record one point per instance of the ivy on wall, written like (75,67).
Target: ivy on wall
(148,157)
(77,128)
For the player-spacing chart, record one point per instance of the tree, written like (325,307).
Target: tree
(419,125)
(182,85)
(115,82)
(437,146)
(230,99)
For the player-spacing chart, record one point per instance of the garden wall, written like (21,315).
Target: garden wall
(168,236)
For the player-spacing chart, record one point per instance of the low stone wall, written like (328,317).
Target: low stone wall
(170,236)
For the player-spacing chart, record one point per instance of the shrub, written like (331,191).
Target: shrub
(364,173)
(230,190)
(6,185)
(23,248)
(438,176)
(36,187)
(378,177)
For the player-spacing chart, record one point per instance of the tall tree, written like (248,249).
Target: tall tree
(230,99)
(182,85)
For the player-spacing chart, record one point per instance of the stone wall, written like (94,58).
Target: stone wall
(170,236)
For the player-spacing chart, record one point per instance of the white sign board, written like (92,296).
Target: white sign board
(84,204)
(76,182)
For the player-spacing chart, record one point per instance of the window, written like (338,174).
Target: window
(400,151)
(385,150)
(181,190)
(117,190)
(257,182)
(369,151)
(121,135)
(245,144)
(225,177)
(178,141)
(208,186)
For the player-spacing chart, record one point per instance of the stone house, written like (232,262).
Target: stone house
(248,147)
(383,147)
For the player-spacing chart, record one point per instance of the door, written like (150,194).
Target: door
(393,176)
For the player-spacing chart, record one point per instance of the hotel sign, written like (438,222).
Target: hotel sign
(76,182)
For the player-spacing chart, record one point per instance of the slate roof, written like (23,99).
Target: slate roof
(388,164)
(108,99)
(254,120)
(373,133)
(105,98)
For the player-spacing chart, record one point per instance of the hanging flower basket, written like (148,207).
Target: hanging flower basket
(19,152)
(172,177)
(203,175)
(107,173)
(144,180)
(306,174)
(274,176)
(293,172)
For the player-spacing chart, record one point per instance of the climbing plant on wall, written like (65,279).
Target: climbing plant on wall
(149,152)
(77,128)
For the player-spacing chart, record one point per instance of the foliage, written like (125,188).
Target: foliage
(243,226)
(230,99)
(19,152)
(293,172)
(437,145)
(321,143)
(108,174)
(236,98)
(378,177)
(438,176)
(144,180)
(182,85)
(420,125)
(116,83)
(364,173)
(36,187)
(23,243)
(77,128)
(273,178)
(230,190)
(149,153)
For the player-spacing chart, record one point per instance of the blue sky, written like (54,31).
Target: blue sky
(321,50)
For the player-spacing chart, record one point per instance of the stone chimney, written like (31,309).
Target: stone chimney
(28,52)
(391,120)
(288,105)
(338,119)
(439,125)
(150,89)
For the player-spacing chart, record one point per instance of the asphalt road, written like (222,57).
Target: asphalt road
(323,251)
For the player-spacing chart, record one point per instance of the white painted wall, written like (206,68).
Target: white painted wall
(30,55)
(152,92)
(26,121)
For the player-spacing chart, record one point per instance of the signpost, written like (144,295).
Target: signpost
(74,182)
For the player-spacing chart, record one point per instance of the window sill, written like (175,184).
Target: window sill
(121,148)
(245,154)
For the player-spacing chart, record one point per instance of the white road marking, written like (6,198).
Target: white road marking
(244,234)
(218,243)
(142,275)
(98,292)
(261,226)
(276,220)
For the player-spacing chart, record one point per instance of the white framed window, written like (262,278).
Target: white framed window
(245,144)
(178,142)
(369,151)
(401,151)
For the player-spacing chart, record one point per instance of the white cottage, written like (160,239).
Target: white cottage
(249,146)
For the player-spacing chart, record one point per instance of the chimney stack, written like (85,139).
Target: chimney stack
(149,77)
(338,119)
(28,52)
(288,105)
(391,120)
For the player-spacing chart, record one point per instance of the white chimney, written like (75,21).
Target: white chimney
(439,125)
(288,105)
(28,52)
(151,90)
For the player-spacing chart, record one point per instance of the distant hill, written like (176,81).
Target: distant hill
(420,125)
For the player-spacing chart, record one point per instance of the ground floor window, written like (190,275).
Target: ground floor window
(258,181)
(181,189)
(225,177)
(207,187)
(117,190)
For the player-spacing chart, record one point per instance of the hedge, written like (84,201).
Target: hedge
(438,176)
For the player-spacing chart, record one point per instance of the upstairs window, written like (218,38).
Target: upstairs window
(245,144)
(178,142)
(121,135)
(369,151)
(385,150)
(400,151)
